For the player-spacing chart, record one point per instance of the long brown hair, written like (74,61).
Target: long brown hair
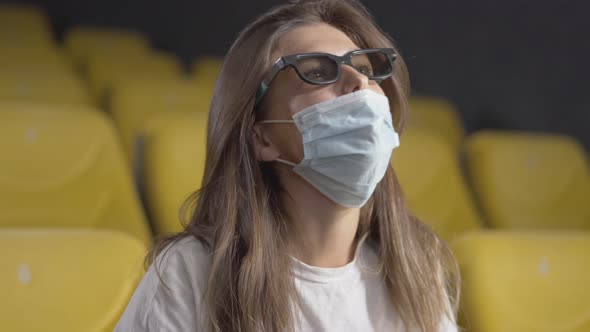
(238,215)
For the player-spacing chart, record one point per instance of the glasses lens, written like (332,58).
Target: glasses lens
(372,64)
(318,69)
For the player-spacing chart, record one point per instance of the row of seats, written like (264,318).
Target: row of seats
(32,67)
(129,85)
(526,273)
(72,232)
(134,104)
(520,180)
(81,280)
(91,65)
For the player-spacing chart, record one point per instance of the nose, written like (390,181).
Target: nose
(351,80)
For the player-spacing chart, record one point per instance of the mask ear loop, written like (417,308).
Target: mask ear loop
(286,162)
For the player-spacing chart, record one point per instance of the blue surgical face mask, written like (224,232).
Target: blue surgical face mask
(347,144)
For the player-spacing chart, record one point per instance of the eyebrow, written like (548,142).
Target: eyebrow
(347,50)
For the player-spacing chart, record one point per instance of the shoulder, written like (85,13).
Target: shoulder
(186,259)
(172,290)
(187,253)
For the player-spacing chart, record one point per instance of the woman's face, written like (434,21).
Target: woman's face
(288,94)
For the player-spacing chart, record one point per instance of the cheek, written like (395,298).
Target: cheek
(288,142)
(309,96)
(376,87)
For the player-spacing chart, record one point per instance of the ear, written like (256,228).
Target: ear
(263,146)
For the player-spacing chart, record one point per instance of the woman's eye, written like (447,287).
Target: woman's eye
(315,74)
(366,70)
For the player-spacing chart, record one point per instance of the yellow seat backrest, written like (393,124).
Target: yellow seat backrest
(525,180)
(525,281)
(23,25)
(437,115)
(18,57)
(207,66)
(66,280)
(430,176)
(51,85)
(105,71)
(174,161)
(132,103)
(83,41)
(206,70)
(22,16)
(65,168)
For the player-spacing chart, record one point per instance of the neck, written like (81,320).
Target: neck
(324,232)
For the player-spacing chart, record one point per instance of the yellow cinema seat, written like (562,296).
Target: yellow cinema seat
(430,176)
(104,72)
(206,69)
(437,115)
(207,66)
(66,280)
(133,103)
(25,39)
(174,161)
(65,168)
(33,58)
(47,85)
(83,41)
(525,281)
(525,180)
(25,16)
(24,25)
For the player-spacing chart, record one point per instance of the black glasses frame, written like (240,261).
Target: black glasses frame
(346,59)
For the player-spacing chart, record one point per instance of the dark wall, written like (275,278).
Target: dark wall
(507,63)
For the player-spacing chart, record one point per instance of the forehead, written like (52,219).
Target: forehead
(321,38)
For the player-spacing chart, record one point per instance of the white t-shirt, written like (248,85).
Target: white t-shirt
(349,298)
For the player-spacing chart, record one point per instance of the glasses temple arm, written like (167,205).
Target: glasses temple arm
(276,68)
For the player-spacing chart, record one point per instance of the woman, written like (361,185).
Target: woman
(300,224)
